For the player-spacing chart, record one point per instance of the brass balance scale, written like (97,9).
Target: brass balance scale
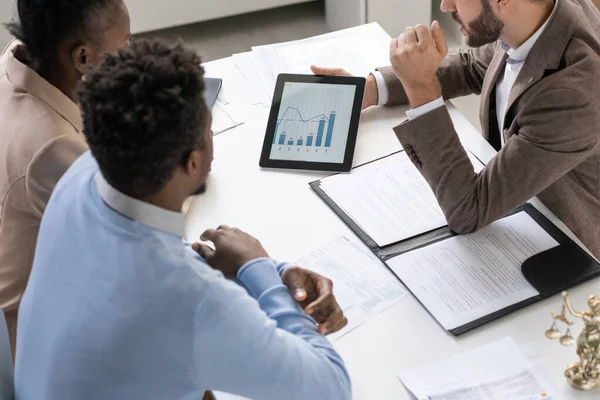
(585,374)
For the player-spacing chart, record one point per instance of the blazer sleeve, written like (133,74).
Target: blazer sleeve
(461,73)
(48,166)
(533,158)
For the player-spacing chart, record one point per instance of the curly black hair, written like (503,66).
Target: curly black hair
(144,113)
(43,25)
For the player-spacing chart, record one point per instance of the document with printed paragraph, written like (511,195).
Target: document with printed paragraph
(389,198)
(465,278)
(498,371)
(363,286)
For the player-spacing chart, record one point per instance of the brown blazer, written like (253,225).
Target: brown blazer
(552,129)
(40,137)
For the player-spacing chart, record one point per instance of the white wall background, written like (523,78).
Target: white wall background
(6,13)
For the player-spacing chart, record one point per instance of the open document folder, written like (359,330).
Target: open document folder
(463,281)
(498,371)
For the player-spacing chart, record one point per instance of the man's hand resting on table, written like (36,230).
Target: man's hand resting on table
(314,293)
(234,248)
(371,97)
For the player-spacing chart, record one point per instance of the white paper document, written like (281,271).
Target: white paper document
(359,50)
(229,111)
(362,285)
(464,278)
(498,371)
(388,198)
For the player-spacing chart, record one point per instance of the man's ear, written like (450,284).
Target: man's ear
(81,58)
(503,4)
(194,163)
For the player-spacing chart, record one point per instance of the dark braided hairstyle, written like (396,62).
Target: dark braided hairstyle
(144,113)
(43,25)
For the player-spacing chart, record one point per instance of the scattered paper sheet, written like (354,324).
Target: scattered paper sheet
(498,371)
(389,198)
(363,286)
(229,111)
(464,278)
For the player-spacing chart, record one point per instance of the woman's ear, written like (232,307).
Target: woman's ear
(81,58)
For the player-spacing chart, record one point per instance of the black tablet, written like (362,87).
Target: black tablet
(313,123)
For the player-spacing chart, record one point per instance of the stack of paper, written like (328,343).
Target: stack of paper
(252,75)
(498,371)
(359,50)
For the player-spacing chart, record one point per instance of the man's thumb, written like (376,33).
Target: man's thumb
(294,280)
(439,38)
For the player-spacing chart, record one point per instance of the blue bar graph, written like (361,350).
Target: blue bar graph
(320,133)
(300,142)
(291,142)
(282,138)
(275,134)
(330,130)
(309,140)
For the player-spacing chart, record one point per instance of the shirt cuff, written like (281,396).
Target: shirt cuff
(258,276)
(425,108)
(382,89)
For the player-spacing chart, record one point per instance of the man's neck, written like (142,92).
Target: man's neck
(165,200)
(528,19)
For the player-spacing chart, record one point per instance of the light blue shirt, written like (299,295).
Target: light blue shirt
(117,307)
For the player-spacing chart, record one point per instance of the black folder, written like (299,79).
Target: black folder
(549,272)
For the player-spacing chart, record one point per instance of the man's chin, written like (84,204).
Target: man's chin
(201,190)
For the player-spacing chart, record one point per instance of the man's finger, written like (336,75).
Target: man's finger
(209,235)
(224,228)
(206,252)
(423,35)
(439,38)
(332,322)
(295,280)
(393,45)
(343,322)
(196,246)
(325,297)
(329,71)
(410,36)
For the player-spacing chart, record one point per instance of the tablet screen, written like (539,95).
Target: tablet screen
(313,122)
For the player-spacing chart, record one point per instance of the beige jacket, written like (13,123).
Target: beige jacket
(40,137)
(552,129)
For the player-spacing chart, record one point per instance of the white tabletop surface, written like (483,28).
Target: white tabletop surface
(280,209)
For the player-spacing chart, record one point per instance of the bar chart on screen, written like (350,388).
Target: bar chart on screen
(313,122)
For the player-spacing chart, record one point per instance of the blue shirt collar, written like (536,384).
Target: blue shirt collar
(142,212)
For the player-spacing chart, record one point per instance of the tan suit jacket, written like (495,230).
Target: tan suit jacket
(551,129)
(40,137)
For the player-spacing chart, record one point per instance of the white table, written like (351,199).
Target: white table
(281,210)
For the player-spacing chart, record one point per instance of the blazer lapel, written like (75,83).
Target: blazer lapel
(489,83)
(547,51)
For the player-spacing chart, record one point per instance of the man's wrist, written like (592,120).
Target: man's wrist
(258,276)
(423,93)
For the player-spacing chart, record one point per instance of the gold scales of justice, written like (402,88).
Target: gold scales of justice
(584,374)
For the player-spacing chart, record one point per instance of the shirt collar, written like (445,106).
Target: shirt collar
(518,55)
(23,76)
(142,212)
